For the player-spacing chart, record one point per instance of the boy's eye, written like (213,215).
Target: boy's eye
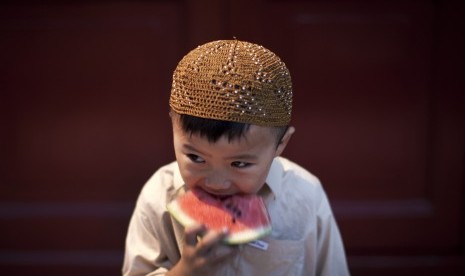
(195,158)
(239,164)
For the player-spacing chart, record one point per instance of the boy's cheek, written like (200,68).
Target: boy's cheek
(250,185)
(190,177)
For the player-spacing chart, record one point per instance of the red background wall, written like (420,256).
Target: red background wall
(379,112)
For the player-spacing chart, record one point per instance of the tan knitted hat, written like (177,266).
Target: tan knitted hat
(233,80)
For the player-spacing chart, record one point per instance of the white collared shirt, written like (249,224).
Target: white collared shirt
(305,239)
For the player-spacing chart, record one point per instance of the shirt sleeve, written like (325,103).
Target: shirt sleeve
(143,253)
(151,245)
(331,254)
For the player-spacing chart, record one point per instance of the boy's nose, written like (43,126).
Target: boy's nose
(217,183)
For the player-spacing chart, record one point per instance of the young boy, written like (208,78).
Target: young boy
(231,106)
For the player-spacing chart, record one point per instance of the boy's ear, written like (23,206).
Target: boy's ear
(283,143)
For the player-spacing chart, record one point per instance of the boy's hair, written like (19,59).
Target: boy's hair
(215,129)
(234,81)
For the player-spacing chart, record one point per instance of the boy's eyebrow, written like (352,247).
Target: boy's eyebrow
(191,148)
(245,156)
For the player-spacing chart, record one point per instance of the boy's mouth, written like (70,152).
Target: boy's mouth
(218,195)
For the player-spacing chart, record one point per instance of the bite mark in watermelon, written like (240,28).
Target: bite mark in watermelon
(245,216)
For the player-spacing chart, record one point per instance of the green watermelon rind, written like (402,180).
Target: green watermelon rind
(234,238)
(247,236)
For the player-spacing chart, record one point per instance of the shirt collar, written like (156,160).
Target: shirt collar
(273,180)
(272,184)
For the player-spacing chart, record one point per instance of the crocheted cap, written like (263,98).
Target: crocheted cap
(232,80)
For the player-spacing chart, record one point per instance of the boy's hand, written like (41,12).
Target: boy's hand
(199,255)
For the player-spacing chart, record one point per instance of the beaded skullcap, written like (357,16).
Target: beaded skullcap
(232,80)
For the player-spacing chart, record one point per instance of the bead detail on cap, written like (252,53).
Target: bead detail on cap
(233,80)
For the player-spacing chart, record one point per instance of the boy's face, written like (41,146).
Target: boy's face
(227,167)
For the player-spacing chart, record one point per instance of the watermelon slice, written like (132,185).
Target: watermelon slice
(245,216)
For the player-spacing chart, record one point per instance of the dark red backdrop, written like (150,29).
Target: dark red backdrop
(379,112)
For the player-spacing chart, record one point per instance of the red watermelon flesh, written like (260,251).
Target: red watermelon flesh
(245,216)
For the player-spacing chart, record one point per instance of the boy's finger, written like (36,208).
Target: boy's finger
(193,232)
(211,239)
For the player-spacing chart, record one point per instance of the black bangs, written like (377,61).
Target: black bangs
(212,129)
